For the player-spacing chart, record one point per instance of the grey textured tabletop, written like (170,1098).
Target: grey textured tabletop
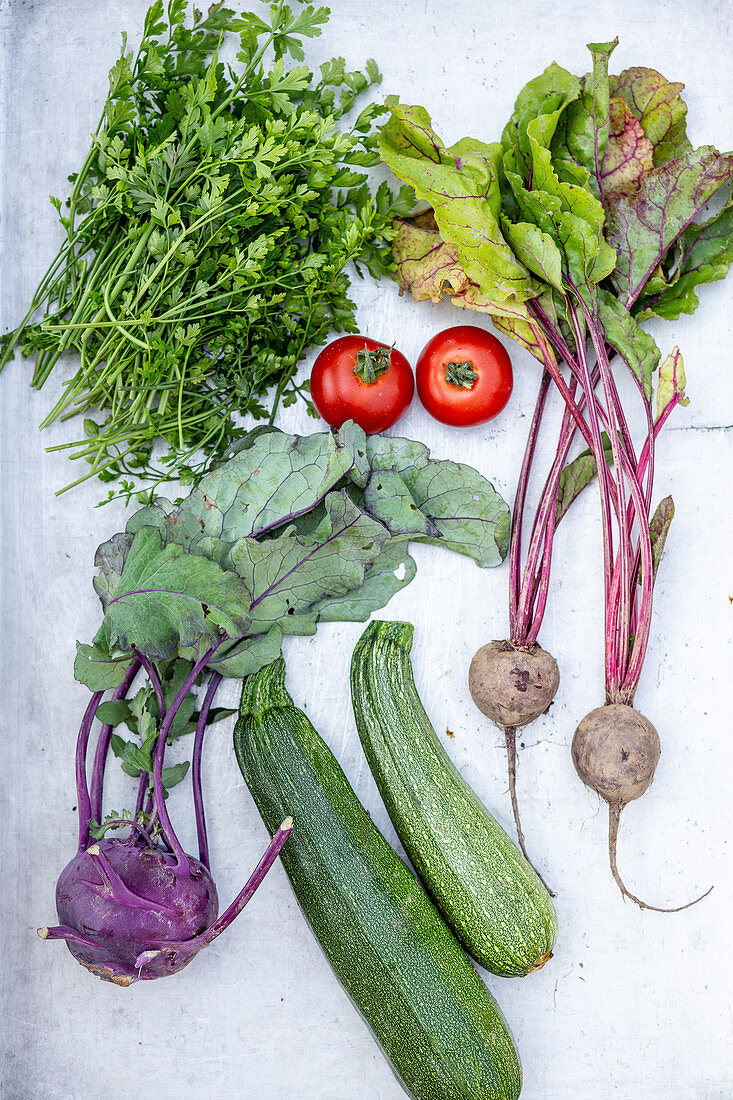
(634,1003)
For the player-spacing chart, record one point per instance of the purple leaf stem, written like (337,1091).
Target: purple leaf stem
(562,385)
(192,946)
(515,551)
(647,456)
(618,606)
(541,588)
(114,886)
(126,821)
(100,756)
(632,673)
(564,351)
(158,797)
(198,798)
(141,790)
(82,788)
(598,451)
(144,783)
(552,333)
(614,400)
(63,932)
(544,522)
(617,689)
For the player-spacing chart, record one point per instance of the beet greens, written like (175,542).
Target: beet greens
(588,218)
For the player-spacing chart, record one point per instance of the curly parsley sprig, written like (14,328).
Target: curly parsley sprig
(208,234)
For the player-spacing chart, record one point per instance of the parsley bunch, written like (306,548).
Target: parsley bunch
(207,236)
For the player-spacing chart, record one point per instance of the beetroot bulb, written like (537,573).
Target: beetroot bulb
(138,907)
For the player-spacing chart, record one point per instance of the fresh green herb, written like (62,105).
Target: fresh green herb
(208,234)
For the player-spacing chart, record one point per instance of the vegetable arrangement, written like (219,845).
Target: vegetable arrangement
(208,233)
(575,228)
(207,237)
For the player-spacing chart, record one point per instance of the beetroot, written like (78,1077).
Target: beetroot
(616,751)
(513,685)
(514,681)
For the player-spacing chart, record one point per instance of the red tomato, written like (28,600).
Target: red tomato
(464,376)
(356,378)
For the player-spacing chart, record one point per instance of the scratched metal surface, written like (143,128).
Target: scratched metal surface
(633,1004)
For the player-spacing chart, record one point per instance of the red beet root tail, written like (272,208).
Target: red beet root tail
(510,736)
(614,814)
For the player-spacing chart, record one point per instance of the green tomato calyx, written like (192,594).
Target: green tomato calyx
(460,374)
(371,363)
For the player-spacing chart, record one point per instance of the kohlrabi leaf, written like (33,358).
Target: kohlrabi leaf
(462,187)
(263,486)
(179,579)
(391,571)
(248,655)
(114,712)
(671,383)
(174,774)
(101,665)
(166,598)
(623,333)
(388,499)
(181,723)
(287,574)
(134,759)
(706,253)
(629,154)
(643,226)
(659,108)
(395,453)
(110,560)
(469,514)
(577,475)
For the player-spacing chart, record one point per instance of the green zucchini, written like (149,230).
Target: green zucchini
(402,966)
(482,884)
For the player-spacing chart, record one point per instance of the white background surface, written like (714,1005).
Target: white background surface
(634,1004)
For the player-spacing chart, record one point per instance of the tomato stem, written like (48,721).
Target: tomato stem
(461,374)
(371,363)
